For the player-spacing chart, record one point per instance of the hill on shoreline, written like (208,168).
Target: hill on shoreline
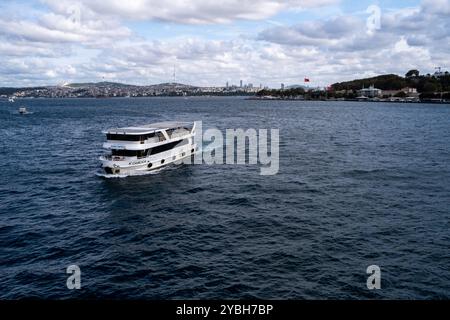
(427,83)
(102,84)
(383,82)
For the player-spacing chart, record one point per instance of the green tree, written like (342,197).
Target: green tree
(412,73)
(430,87)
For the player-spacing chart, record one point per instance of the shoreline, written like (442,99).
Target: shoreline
(349,100)
(245,97)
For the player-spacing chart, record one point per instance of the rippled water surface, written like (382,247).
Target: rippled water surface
(359,184)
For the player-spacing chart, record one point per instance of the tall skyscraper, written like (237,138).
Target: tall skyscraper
(282,86)
(241,84)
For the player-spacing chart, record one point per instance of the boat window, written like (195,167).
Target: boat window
(124,153)
(148,152)
(130,153)
(141,153)
(129,137)
(122,137)
(148,136)
(169,146)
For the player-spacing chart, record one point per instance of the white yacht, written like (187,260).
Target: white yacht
(147,147)
(11,99)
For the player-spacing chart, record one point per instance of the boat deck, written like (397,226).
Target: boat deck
(149,128)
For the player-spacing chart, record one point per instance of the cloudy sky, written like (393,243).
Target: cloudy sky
(210,42)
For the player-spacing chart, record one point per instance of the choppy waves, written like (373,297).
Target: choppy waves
(353,190)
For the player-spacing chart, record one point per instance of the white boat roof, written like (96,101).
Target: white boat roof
(149,128)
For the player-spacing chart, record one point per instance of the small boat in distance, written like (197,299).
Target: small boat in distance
(23,110)
(11,99)
(147,147)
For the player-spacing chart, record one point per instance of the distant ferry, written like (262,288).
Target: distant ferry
(147,147)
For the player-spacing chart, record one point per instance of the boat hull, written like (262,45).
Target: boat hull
(136,166)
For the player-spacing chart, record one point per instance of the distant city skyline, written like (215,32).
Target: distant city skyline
(209,43)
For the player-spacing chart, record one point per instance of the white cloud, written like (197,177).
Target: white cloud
(314,33)
(188,11)
(408,38)
(58,28)
(21,48)
(441,7)
(96,42)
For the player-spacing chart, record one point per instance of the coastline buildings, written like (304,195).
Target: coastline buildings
(111,90)
(407,92)
(415,88)
(370,92)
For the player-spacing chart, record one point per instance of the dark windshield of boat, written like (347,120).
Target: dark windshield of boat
(129,137)
(148,152)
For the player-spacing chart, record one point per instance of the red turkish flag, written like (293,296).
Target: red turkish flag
(306,79)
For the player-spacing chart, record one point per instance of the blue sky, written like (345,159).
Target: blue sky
(162,30)
(261,42)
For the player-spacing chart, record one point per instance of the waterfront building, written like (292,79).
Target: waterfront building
(370,92)
(409,92)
